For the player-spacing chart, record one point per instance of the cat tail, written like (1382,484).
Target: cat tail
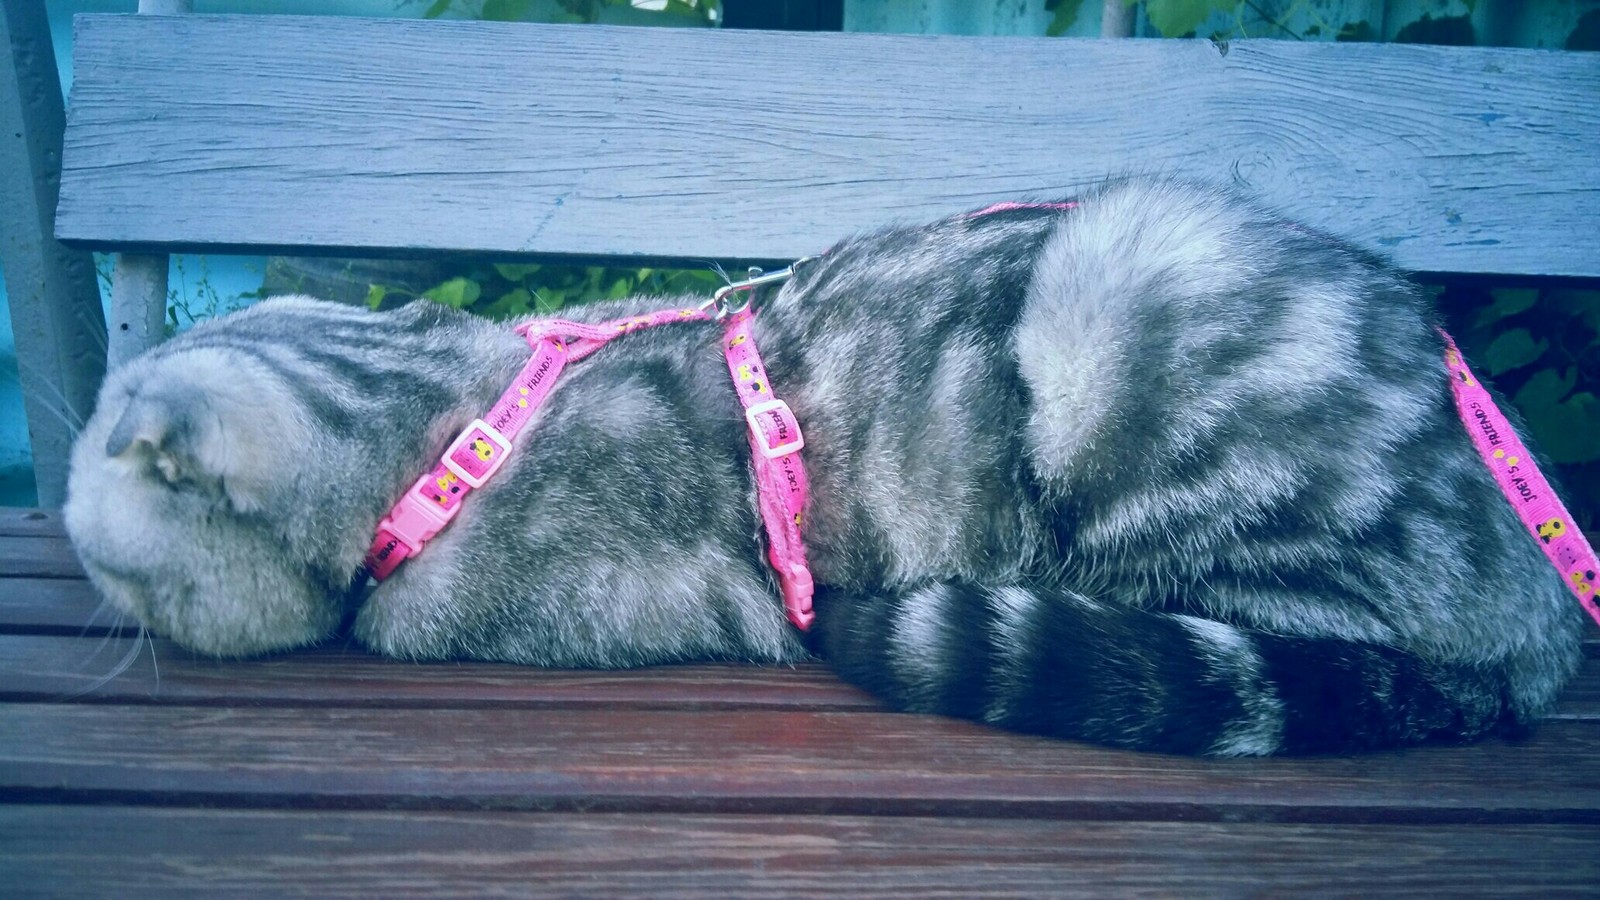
(1049,661)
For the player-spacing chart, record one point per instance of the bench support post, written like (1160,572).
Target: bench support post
(139,281)
(138,305)
(56,315)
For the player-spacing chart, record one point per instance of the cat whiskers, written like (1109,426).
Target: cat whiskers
(115,631)
(58,405)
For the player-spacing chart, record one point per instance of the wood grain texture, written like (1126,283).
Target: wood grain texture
(45,667)
(372,136)
(33,557)
(52,850)
(335,773)
(138,309)
(68,605)
(18,520)
(757,761)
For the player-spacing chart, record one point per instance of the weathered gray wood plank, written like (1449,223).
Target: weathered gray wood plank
(364,135)
(55,305)
(137,852)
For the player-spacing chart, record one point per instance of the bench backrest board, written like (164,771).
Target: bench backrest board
(384,137)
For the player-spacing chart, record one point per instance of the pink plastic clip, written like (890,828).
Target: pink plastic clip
(412,522)
(795,579)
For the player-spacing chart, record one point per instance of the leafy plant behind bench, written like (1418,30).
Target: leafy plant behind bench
(1540,346)
(504,290)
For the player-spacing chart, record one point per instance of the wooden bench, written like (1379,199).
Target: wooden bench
(330,770)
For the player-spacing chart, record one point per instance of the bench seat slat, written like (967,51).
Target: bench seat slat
(121,852)
(759,761)
(377,136)
(45,667)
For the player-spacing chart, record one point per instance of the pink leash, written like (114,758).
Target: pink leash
(1523,484)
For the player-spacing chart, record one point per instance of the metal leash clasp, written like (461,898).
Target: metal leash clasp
(719,301)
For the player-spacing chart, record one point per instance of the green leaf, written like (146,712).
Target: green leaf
(456,293)
(514,302)
(1453,31)
(680,8)
(375,295)
(1513,350)
(438,9)
(514,272)
(1575,304)
(1361,31)
(1507,302)
(1066,15)
(620,288)
(504,10)
(1176,18)
(1546,387)
(549,300)
(1568,432)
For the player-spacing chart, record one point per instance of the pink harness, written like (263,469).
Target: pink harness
(483,446)
(1522,482)
(775,442)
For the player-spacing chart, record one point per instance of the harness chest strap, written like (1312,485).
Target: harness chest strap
(483,446)
(1525,487)
(781,486)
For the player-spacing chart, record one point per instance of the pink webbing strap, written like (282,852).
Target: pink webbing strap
(478,452)
(481,449)
(1522,482)
(781,487)
(1011,205)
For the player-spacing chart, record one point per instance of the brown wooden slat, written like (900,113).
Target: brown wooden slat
(43,667)
(61,604)
(1580,699)
(48,667)
(35,556)
(752,761)
(53,850)
(25,521)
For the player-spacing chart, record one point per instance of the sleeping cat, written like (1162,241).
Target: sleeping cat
(1160,471)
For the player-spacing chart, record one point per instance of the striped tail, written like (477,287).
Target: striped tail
(1049,661)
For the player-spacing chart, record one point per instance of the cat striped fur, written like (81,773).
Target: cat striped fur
(1162,471)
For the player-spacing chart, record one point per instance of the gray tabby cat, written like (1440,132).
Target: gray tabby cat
(1162,471)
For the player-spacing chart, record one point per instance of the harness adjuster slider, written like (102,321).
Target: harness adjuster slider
(477,453)
(773,421)
(414,521)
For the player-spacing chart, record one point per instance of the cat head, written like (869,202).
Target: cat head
(179,487)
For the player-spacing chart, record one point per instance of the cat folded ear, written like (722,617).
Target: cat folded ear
(162,427)
(189,435)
